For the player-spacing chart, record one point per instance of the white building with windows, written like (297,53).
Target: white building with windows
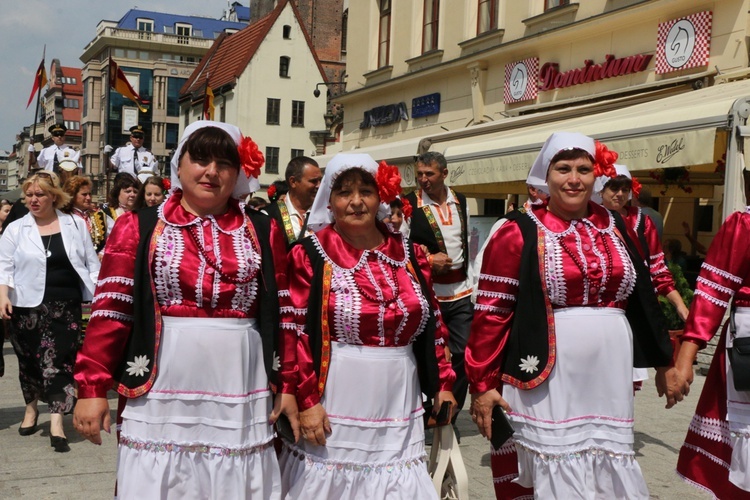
(263,78)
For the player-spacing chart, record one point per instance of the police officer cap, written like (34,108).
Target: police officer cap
(137,130)
(57,128)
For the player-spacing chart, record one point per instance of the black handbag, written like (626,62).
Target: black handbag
(739,357)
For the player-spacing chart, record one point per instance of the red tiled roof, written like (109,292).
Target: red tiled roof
(230,54)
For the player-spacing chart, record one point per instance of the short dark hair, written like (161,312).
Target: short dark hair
(282,188)
(397,203)
(618,182)
(295,167)
(570,154)
(352,175)
(211,142)
(123,180)
(155,180)
(432,156)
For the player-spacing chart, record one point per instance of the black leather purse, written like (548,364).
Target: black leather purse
(739,357)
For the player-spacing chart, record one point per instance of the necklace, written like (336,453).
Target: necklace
(215,265)
(379,300)
(47,252)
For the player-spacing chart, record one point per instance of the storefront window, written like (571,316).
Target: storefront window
(173,94)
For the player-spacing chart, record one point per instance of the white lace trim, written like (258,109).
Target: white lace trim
(117,315)
(507,448)
(365,254)
(285,293)
(498,279)
(116,279)
(113,295)
(715,286)
(722,273)
(657,256)
(711,428)
(575,455)
(712,299)
(492,309)
(496,295)
(710,456)
(324,465)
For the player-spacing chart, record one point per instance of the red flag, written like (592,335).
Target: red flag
(119,82)
(40,80)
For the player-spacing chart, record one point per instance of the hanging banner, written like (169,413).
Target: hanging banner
(684,43)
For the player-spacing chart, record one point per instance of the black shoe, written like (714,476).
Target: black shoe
(28,431)
(60,444)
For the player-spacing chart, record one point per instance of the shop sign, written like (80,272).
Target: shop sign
(425,105)
(683,43)
(551,78)
(520,80)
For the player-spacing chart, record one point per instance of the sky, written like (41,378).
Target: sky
(66,27)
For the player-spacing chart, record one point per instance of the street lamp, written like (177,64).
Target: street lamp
(316,92)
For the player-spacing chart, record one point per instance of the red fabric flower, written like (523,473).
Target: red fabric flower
(166,184)
(389,182)
(604,161)
(271,191)
(251,158)
(636,187)
(406,209)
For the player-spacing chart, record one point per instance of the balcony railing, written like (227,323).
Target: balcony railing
(150,36)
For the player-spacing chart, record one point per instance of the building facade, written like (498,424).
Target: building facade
(262,79)
(486,81)
(157,52)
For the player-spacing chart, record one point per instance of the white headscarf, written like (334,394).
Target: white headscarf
(602,180)
(320,213)
(559,141)
(244,186)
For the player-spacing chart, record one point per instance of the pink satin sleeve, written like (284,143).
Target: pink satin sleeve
(294,319)
(725,270)
(111,312)
(497,290)
(446,373)
(660,276)
(287,336)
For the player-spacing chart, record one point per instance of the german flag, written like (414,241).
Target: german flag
(40,80)
(120,83)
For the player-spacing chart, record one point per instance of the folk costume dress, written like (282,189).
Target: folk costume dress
(573,419)
(198,426)
(375,334)
(716,453)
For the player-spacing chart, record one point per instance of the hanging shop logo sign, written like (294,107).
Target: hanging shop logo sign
(551,78)
(520,80)
(683,43)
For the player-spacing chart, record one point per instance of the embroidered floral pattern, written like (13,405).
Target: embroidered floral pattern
(138,367)
(530,364)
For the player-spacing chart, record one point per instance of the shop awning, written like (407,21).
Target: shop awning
(669,132)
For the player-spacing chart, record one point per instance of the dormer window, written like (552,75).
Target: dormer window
(183,32)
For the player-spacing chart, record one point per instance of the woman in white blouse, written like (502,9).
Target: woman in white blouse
(48,266)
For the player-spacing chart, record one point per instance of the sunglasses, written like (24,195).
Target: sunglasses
(137,136)
(58,134)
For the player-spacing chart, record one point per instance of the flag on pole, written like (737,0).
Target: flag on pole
(208,103)
(40,80)
(119,82)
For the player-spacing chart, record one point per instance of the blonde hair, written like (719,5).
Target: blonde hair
(50,184)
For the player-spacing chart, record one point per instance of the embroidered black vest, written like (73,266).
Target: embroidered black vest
(423,233)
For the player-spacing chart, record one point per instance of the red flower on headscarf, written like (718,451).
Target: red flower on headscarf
(604,161)
(388,179)
(271,191)
(406,208)
(636,187)
(166,184)
(251,158)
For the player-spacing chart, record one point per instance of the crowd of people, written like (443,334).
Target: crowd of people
(292,348)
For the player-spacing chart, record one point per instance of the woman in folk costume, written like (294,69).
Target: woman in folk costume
(716,453)
(550,341)
(614,193)
(370,343)
(185,325)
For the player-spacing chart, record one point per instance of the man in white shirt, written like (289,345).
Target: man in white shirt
(439,223)
(133,158)
(303,176)
(52,156)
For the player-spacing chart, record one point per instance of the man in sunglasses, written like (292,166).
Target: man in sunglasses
(133,158)
(56,157)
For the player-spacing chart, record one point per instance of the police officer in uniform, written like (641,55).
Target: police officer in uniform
(133,158)
(51,157)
